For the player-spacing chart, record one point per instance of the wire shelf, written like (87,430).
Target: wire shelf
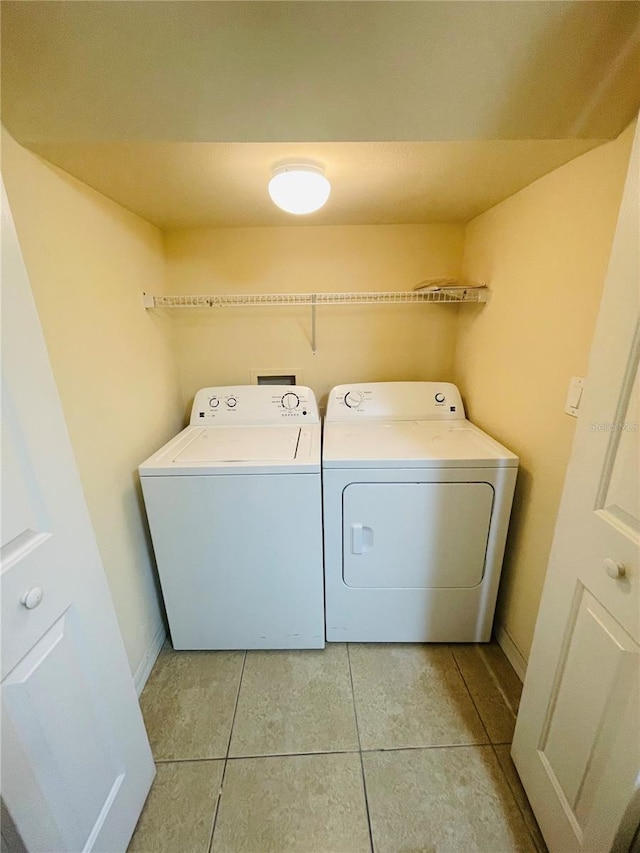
(257,300)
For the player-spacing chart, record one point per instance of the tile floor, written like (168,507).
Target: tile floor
(385,748)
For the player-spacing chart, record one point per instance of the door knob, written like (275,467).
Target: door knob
(613,569)
(32,598)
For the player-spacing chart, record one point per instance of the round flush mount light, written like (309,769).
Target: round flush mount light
(299,186)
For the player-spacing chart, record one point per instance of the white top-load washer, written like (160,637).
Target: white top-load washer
(235,512)
(416,509)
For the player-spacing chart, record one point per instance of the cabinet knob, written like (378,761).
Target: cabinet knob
(32,598)
(613,569)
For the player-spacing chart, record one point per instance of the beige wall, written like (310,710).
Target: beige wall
(89,261)
(355,343)
(545,252)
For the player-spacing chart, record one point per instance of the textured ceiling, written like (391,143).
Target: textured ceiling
(423,111)
(178,185)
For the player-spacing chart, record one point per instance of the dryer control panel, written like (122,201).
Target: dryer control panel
(254,404)
(395,401)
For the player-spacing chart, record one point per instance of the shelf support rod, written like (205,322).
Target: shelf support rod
(313,323)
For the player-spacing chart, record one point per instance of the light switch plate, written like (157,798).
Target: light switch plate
(574,395)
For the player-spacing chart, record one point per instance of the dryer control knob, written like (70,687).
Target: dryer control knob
(214,402)
(439,397)
(290,400)
(231,402)
(353,399)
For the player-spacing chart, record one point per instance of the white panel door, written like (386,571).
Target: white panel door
(76,762)
(577,738)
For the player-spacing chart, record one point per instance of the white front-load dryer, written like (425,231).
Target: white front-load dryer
(235,513)
(416,506)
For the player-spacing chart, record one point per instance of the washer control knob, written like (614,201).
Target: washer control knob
(231,402)
(214,402)
(290,400)
(353,399)
(32,598)
(613,569)
(440,397)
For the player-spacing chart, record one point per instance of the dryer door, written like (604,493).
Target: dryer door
(415,535)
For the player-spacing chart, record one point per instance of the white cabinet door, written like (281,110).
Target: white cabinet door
(76,762)
(577,738)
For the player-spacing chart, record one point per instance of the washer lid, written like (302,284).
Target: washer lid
(241,444)
(229,450)
(412,444)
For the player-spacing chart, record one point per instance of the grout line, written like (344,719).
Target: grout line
(216,808)
(226,760)
(294,754)
(367,750)
(515,798)
(364,781)
(353,698)
(235,707)
(433,746)
(473,702)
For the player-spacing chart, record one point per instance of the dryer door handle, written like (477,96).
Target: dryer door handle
(361,538)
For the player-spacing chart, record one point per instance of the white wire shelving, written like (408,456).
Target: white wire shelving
(449,295)
(258,300)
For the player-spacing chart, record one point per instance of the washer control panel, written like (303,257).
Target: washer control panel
(254,404)
(402,401)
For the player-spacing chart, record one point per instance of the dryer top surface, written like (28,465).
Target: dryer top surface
(412,444)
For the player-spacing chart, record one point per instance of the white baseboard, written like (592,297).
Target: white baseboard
(145,666)
(511,651)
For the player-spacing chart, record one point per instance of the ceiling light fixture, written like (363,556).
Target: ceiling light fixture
(299,186)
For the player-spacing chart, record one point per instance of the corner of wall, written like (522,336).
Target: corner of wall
(89,260)
(544,252)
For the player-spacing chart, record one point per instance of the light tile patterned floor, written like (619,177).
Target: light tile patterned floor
(384,748)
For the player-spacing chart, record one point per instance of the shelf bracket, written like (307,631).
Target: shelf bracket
(313,323)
